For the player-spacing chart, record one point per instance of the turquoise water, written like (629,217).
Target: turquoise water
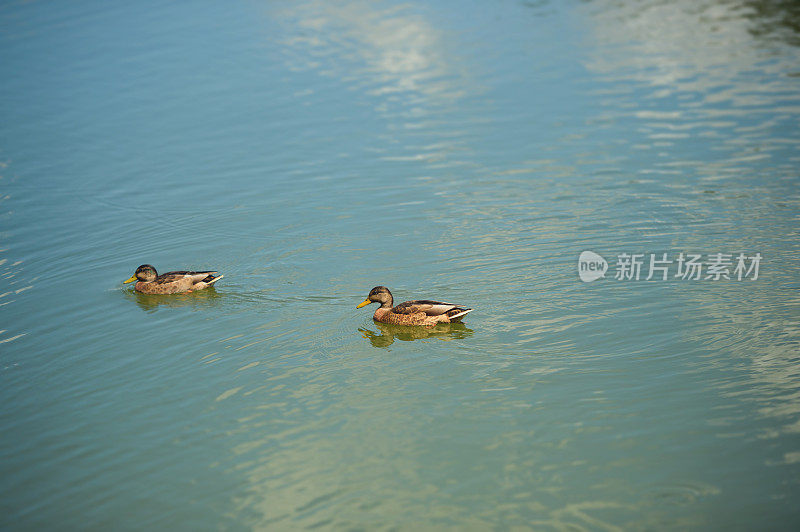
(463,152)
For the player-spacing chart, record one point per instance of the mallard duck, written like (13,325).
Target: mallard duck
(419,312)
(149,282)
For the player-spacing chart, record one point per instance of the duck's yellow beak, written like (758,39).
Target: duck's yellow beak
(132,279)
(364,304)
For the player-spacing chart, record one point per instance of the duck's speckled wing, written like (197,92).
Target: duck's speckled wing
(196,277)
(431,308)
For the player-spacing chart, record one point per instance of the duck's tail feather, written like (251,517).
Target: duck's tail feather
(457,317)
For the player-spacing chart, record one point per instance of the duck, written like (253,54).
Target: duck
(150,282)
(418,312)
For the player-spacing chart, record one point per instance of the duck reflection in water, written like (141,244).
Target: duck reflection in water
(196,300)
(388,332)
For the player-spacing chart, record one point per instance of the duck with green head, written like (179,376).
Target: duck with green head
(149,282)
(418,312)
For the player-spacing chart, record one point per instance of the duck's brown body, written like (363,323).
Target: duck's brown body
(419,312)
(178,282)
(149,282)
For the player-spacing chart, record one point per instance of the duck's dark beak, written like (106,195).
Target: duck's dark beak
(132,279)
(364,304)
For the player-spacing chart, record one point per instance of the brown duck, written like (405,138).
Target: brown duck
(418,312)
(149,282)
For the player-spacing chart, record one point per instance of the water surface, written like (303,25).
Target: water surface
(469,153)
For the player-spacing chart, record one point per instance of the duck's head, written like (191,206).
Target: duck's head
(145,273)
(379,294)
